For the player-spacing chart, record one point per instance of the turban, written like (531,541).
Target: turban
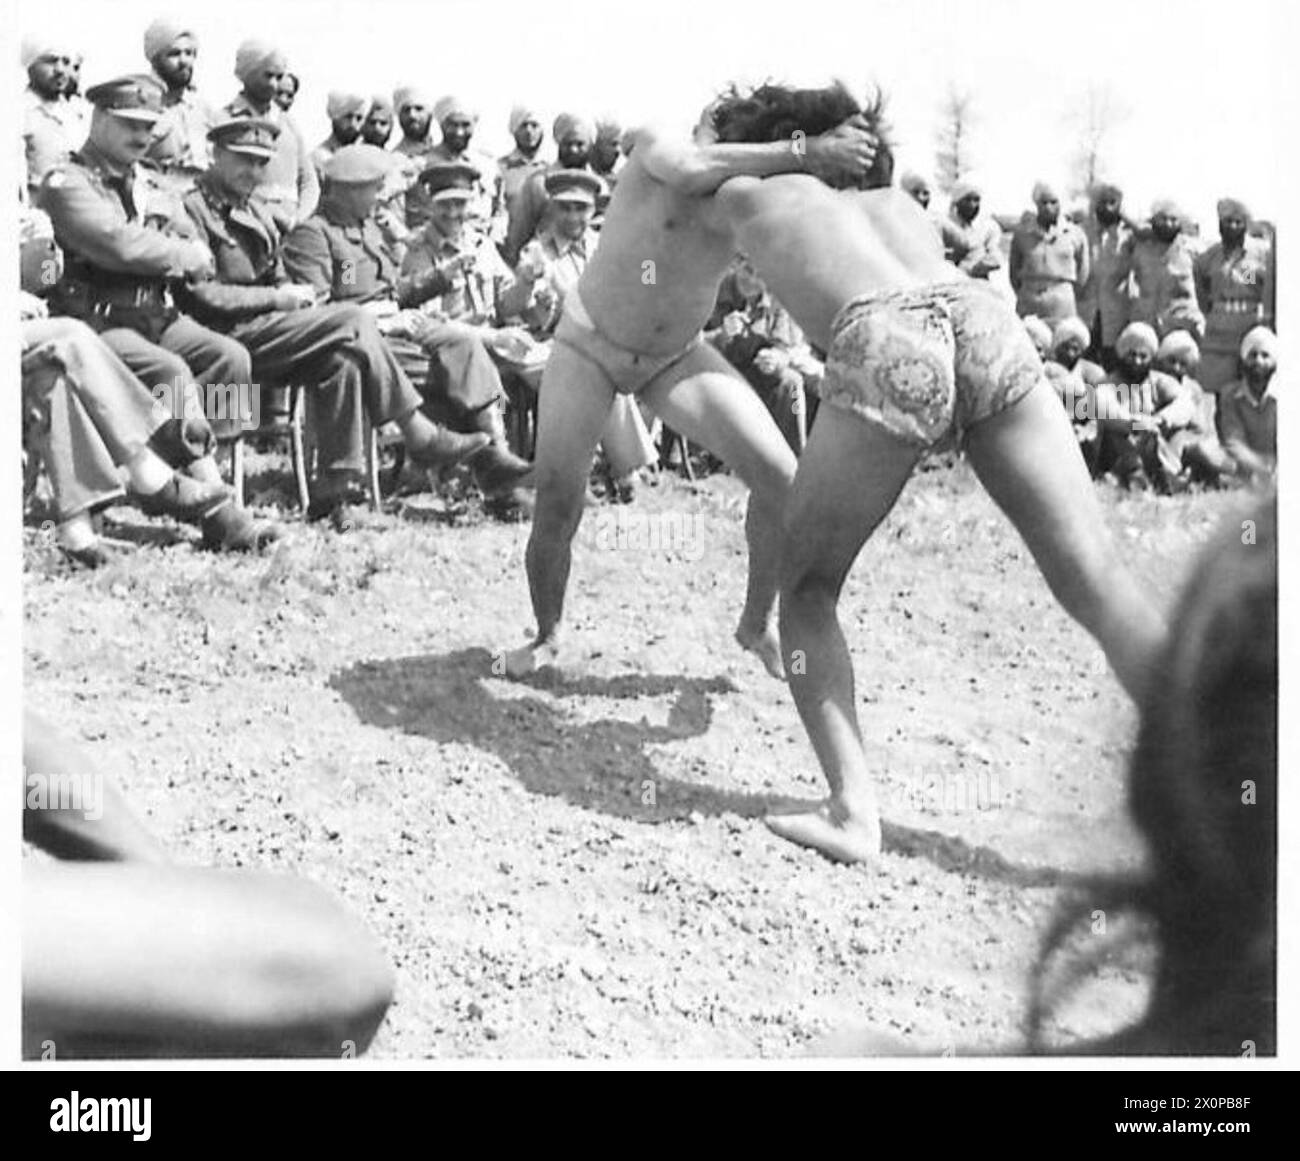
(607,129)
(162,34)
(380,103)
(912,181)
(1182,343)
(1259,338)
(1166,206)
(409,95)
(339,104)
(252,55)
(1137,336)
(1107,190)
(1037,330)
(1045,191)
(519,114)
(964,189)
(449,107)
(35,47)
(572,125)
(1233,208)
(1070,328)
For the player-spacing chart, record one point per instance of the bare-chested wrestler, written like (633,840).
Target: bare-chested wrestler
(916,354)
(633,326)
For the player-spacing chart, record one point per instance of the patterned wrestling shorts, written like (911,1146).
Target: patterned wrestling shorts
(930,362)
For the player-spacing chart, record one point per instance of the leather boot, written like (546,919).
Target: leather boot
(445,448)
(496,469)
(185,498)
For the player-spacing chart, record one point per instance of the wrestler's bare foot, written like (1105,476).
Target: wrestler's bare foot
(841,834)
(532,657)
(766,644)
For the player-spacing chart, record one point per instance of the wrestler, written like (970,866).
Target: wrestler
(632,326)
(917,355)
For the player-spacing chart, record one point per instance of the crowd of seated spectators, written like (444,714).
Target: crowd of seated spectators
(414,282)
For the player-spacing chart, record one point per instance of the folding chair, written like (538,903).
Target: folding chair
(290,416)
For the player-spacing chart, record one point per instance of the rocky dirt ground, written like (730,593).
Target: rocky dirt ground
(576,866)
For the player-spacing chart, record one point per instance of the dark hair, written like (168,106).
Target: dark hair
(1203,791)
(772,112)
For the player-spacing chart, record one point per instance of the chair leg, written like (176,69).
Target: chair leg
(237,468)
(297,439)
(372,465)
(685,449)
(31,474)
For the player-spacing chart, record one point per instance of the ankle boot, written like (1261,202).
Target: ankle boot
(496,469)
(185,498)
(445,448)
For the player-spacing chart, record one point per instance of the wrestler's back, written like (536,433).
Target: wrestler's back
(653,280)
(817,248)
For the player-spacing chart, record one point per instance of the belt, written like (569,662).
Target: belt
(90,301)
(104,299)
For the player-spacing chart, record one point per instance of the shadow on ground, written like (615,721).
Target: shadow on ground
(604,765)
(601,765)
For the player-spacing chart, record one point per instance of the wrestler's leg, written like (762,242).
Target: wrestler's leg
(128,959)
(849,477)
(709,403)
(1027,459)
(573,402)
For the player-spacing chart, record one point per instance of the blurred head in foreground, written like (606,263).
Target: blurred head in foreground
(1203,791)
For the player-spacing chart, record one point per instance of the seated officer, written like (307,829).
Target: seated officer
(556,257)
(127,247)
(451,265)
(345,255)
(336,350)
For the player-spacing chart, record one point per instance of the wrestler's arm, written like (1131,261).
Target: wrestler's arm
(847,151)
(740,200)
(103,828)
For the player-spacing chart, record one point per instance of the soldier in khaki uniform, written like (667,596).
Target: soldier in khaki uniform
(1104,300)
(54,121)
(377,128)
(414,111)
(344,253)
(1049,261)
(525,159)
(179,148)
(347,114)
(289,188)
(1235,289)
(335,349)
(972,241)
(1162,274)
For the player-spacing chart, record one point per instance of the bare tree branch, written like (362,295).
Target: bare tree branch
(953,155)
(1093,118)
